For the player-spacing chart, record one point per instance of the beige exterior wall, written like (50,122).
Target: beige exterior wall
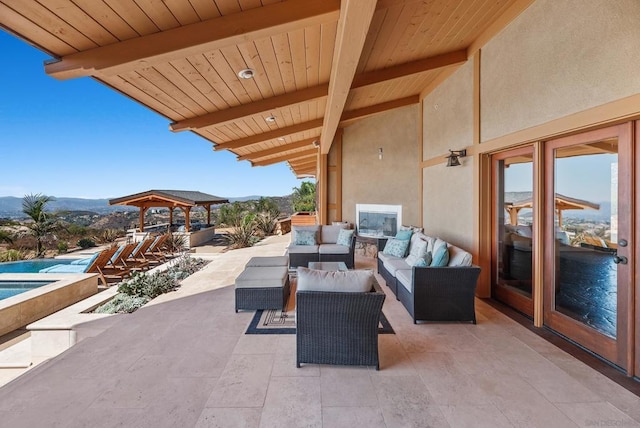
(448,114)
(448,193)
(559,57)
(393,180)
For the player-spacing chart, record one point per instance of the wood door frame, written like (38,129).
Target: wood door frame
(513,299)
(615,350)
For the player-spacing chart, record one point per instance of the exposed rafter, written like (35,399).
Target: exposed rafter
(187,40)
(257,107)
(304,154)
(278,149)
(353,26)
(303,165)
(409,68)
(350,116)
(276,133)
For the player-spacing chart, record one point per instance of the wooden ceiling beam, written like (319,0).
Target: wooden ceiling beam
(284,158)
(353,26)
(278,150)
(352,115)
(302,165)
(188,40)
(257,107)
(409,68)
(270,135)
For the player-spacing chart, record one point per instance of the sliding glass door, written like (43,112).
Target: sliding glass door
(588,207)
(512,253)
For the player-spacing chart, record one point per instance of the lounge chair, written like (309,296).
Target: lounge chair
(154,253)
(138,260)
(98,265)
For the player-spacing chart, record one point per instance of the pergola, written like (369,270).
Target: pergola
(183,199)
(562,203)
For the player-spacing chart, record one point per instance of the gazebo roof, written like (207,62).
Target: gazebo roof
(168,198)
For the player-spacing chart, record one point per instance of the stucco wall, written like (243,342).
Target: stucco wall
(448,114)
(557,58)
(448,193)
(393,180)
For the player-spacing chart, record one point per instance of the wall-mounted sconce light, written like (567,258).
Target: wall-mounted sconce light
(316,143)
(380,153)
(454,155)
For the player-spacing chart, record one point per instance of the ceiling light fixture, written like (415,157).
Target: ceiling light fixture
(270,119)
(247,73)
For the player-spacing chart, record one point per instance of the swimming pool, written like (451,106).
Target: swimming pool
(31,266)
(10,288)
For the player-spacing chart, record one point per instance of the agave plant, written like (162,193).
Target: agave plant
(243,235)
(176,243)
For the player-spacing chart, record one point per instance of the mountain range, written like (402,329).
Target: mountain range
(11,206)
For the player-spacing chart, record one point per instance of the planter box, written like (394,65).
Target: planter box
(304,219)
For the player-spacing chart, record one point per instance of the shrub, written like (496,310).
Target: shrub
(109,235)
(86,243)
(122,304)
(63,247)
(148,285)
(11,255)
(176,243)
(243,235)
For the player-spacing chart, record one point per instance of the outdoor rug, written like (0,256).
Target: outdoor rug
(277,321)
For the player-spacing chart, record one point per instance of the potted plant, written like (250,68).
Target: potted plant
(304,204)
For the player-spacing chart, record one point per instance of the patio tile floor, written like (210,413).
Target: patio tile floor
(184,361)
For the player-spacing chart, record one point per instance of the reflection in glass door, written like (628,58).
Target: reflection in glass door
(586,258)
(513,229)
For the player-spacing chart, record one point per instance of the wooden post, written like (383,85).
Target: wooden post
(187,222)
(170,218)
(143,210)
(208,215)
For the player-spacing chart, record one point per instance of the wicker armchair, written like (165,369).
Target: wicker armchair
(338,327)
(440,293)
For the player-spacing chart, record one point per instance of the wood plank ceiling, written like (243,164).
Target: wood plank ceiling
(318,64)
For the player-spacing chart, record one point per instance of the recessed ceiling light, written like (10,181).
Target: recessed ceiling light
(280,139)
(247,73)
(270,119)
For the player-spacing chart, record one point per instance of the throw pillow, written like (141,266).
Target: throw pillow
(440,255)
(424,261)
(352,281)
(396,247)
(305,237)
(404,235)
(344,237)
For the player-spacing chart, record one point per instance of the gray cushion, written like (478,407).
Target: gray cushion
(333,249)
(262,277)
(458,257)
(404,277)
(393,265)
(329,234)
(268,261)
(302,249)
(353,281)
(386,257)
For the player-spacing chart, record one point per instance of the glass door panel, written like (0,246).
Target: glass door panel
(587,276)
(513,229)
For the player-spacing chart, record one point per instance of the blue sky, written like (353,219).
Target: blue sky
(78,138)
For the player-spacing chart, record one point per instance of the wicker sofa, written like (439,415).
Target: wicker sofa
(323,249)
(334,326)
(433,293)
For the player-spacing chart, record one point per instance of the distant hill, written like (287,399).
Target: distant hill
(11,207)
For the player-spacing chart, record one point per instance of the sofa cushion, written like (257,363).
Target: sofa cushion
(353,281)
(404,235)
(386,257)
(344,237)
(404,277)
(262,277)
(305,237)
(396,247)
(329,234)
(394,265)
(458,257)
(440,255)
(414,229)
(268,261)
(302,249)
(333,249)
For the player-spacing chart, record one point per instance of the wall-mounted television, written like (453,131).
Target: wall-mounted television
(378,220)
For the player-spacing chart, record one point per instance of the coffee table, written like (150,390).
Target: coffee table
(332,266)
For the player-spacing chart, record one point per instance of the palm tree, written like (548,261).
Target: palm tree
(43,223)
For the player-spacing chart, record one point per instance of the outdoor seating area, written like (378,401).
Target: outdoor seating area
(318,243)
(229,378)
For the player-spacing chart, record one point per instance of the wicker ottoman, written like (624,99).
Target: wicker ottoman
(262,287)
(269,261)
